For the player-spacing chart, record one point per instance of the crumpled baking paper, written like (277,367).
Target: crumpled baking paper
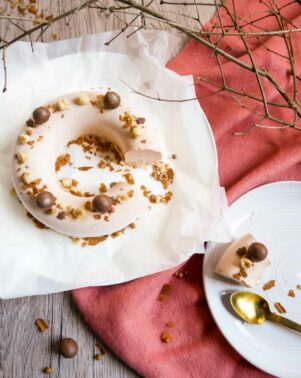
(35,261)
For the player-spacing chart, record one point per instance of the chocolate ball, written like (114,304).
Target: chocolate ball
(41,115)
(111,100)
(257,252)
(102,203)
(45,200)
(68,347)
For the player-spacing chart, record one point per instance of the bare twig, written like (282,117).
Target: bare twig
(226,24)
(4,70)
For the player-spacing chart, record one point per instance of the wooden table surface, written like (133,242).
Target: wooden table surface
(24,351)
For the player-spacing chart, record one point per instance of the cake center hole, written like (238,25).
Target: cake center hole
(89,165)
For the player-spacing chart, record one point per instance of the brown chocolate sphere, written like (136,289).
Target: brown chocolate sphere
(45,200)
(111,100)
(102,203)
(257,252)
(41,115)
(68,347)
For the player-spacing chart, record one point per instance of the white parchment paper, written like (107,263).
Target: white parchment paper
(34,261)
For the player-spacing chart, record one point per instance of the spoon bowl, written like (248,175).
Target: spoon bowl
(255,309)
(250,307)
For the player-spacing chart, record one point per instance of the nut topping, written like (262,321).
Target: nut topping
(245,263)
(83,99)
(21,156)
(23,138)
(27,178)
(61,105)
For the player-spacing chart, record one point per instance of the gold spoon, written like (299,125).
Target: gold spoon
(254,309)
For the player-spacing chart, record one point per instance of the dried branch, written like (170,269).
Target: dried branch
(227,24)
(4,70)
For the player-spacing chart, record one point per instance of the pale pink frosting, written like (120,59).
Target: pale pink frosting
(57,132)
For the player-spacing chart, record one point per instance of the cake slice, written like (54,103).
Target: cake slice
(244,261)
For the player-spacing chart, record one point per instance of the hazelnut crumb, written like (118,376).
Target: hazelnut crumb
(245,263)
(61,161)
(132,225)
(269,285)
(61,215)
(298,287)
(78,213)
(47,370)
(242,251)
(61,106)
(165,337)
(103,188)
(165,290)
(13,192)
(27,178)
(179,274)
(136,132)
(23,138)
(174,156)
(129,178)
(29,132)
(41,325)
(66,183)
(21,156)
(98,356)
(291,293)
(280,308)
(170,324)
(83,99)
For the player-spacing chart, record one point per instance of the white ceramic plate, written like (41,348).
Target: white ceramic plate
(273,214)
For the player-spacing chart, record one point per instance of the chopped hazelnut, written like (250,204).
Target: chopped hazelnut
(291,293)
(269,285)
(47,370)
(78,213)
(136,132)
(165,337)
(61,105)
(245,263)
(280,308)
(100,102)
(166,290)
(41,325)
(21,156)
(27,178)
(170,324)
(23,138)
(66,183)
(83,99)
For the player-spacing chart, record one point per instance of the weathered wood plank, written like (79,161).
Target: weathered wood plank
(24,351)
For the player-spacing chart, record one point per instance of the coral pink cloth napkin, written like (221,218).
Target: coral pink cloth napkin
(129,317)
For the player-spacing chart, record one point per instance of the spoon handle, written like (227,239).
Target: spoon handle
(285,322)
